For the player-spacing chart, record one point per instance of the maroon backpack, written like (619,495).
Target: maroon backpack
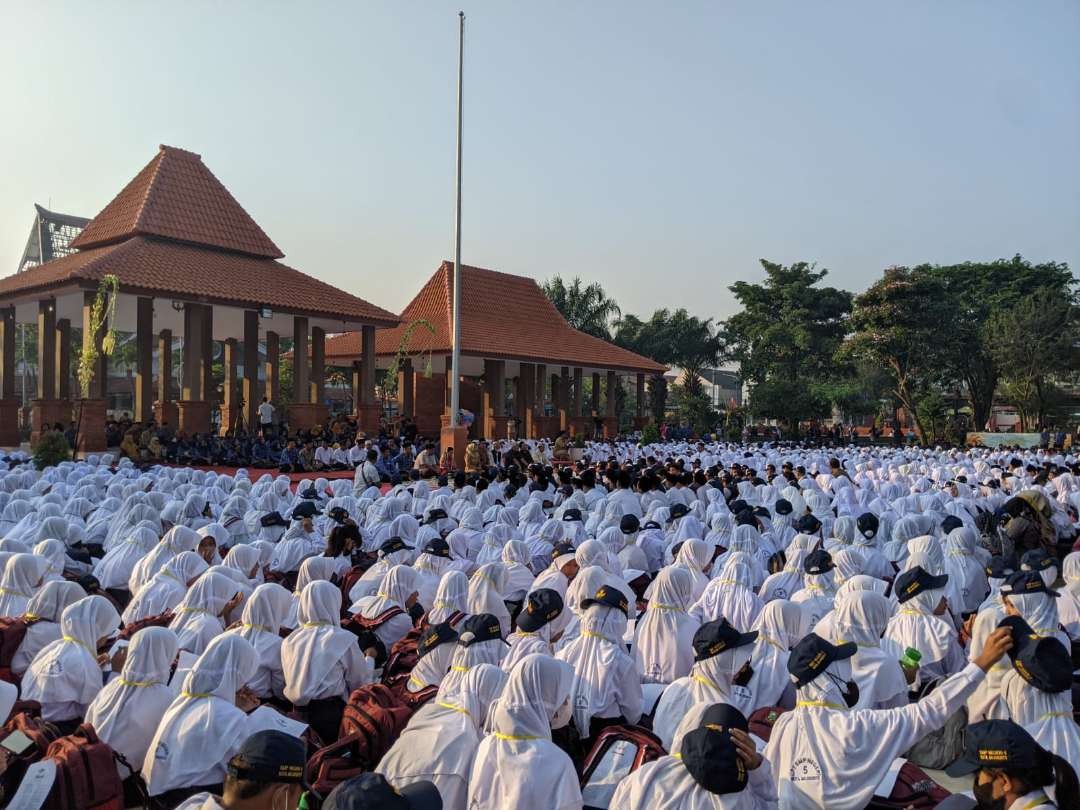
(41,735)
(913,789)
(616,752)
(12,633)
(86,775)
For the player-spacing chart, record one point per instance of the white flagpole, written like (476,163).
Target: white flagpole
(455,385)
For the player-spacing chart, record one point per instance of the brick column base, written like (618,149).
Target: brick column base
(44,413)
(194,416)
(9,423)
(90,420)
(306,415)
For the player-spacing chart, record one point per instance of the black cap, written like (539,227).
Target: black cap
(435,636)
(629,524)
(270,756)
(813,655)
(738,505)
(481,627)
(867,524)
(761,512)
(310,493)
(951,522)
(272,519)
(717,636)
(652,524)
(609,596)
(339,514)
(371,791)
(818,562)
(678,510)
(391,545)
(1022,582)
(808,524)
(541,606)
(435,514)
(997,568)
(1041,661)
(709,753)
(304,509)
(1037,559)
(437,548)
(915,581)
(562,548)
(572,514)
(783,506)
(997,745)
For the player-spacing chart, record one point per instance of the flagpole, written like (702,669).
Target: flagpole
(455,384)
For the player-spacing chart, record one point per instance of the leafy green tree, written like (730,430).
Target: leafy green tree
(900,323)
(979,292)
(785,340)
(1034,342)
(587,308)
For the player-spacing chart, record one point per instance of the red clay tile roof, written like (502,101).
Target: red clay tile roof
(503,317)
(218,276)
(178,197)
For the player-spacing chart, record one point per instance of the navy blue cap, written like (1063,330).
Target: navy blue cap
(678,510)
(915,581)
(629,524)
(997,568)
(951,522)
(541,607)
(562,548)
(371,791)
(997,745)
(1022,582)
(1037,559)
(717,636)
(1042,661)
(813,655)
(270,756)
(867,524)
(435,636)
(434,515)
(818,562)
(392,545)
(437,548)
(610,596)
(783,506)
(572,514)
(304,509)
(481,627)
(709,753)
(808,524)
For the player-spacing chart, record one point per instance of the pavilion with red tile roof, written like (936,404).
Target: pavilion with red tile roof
(511,336)
(193,264)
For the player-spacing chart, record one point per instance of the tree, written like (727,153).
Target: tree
(978,291)
(898,324)
(1034,341)
(675,339)
(785,341)
(587,308)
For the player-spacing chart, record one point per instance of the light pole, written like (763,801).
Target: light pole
(455,362)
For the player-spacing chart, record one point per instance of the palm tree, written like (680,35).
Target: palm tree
(587,308)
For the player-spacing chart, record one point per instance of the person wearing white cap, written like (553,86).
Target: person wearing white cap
(516,764)
(441,739)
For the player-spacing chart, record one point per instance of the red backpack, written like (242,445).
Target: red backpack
(12,633)
(616,752)
(86,775)
(158,620)
(913,789)
(359,625)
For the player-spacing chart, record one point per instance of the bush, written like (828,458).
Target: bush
(51,449)
(650,434)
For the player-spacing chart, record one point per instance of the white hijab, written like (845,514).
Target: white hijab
(115,568)
(664,636)
(486,589)
(1046,716)
(22,576)
(176,541)
(450,598)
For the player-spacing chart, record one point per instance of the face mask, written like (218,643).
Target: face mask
(983,793)
(743,676)
(849,690)
(563,715)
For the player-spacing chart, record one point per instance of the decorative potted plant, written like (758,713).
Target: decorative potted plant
(577,449)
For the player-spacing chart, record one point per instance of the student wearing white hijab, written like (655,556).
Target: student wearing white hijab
(967,585)
(486,593)
(435,649)
(861,617)
(167,588)
(441,739)
(713,766)
(54,552)
(198,617)
(827,755)
(392,552)
(663,637)
(176,541)
(451,598)
(114,570)
(43,621)
(23,574)
(260,624)
(519,578)
(721,657)
(321,661)
(919,624)
(730,594)
(65,676)
(480,641)
(397,592)
(430,566)
(778,628)
(311,570)
(516,764)
(696,557)
(125,714)
(606,684)
(1026,594)
(202,728)
(819,587)
(536,631)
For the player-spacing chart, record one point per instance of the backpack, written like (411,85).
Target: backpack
(361,564)
(364,629)
(761,721)
(403,655)
(41,734)
(913,789)
(158,620)
(616,752)
(12,633)
(86,775)
(941,747)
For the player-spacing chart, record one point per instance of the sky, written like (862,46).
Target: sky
(658,149)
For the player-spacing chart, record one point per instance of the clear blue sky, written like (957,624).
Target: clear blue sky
(660,149)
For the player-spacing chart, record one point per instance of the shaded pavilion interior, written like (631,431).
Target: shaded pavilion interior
(523,367)
(192,266)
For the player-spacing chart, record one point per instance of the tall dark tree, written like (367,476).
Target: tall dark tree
(587,308)
(785,340)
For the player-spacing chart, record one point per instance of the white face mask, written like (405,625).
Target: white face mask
(563,715)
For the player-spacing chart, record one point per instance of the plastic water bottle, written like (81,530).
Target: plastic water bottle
(911,658)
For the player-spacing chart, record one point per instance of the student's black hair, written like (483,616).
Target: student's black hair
(1050,770)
